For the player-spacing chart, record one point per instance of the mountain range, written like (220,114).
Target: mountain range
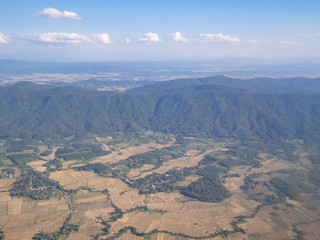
(214,107)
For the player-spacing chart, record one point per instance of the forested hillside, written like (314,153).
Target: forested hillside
(38,111)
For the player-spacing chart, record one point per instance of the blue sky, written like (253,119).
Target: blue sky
(166,29)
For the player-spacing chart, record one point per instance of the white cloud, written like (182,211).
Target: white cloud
(150,37)
(56,14)
(218,37)
(177,37)
(288,43)
(71,38)
(61,38)
(252,41)
(4,38)
(101,38)
(309,36)
(127,40)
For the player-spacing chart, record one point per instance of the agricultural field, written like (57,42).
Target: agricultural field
(155,186)
(22,218)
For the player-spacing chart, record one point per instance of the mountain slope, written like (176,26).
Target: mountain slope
(30,110)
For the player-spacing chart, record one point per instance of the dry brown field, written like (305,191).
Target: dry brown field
(77,165)
(165,236)
(89,206)
(125,153)
(277,224)
(66,164)
(21,152)
(21,218)
(136,172)
(273,164)
(181,215)
(270,223)
(71,179)
(52,155)
(233,183)
(123,196)
(129,236)
(38,165)
(5,184)
(191,159)
(187,181)
(312,231)
(270,165)
(142,221)
(198,219)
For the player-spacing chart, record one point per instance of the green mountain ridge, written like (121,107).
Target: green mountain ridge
(29,110)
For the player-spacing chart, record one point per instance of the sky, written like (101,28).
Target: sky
(134,30)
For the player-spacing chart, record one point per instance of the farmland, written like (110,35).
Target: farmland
(22,218)
(143,187)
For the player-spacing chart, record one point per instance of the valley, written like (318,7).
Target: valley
(208,158)
(159,120)
(143,195)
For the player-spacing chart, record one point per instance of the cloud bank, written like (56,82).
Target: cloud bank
(315,36)
(177,37)
(127,40)
(56,14)
(4,38)
(252,41)
(218,37)
(150,37)
(71,38)
(288,43)
(101,38)
(61,38)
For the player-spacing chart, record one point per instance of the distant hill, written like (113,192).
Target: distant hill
(27,67)
(245,67)
(37,111)
(267,85)
(95,84)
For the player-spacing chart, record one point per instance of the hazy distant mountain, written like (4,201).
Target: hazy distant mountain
(268,85)
(245,67)
(26,67)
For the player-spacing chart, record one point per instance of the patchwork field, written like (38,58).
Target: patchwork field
(21,218)
(122,195)
(137,172)
(103,200)
(197,218)
(276,224)
(125,153)
(51,155)
(89,206)
(191,159)
(38,165)
(5,184)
